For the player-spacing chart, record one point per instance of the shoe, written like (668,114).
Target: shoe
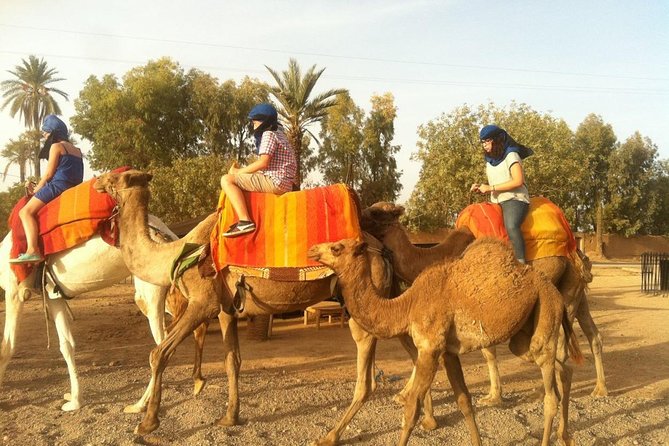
(239,228)
(27,258)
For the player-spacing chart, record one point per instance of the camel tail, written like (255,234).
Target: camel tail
(570,337)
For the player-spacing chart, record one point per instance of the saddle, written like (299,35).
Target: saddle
(545,229)
(287,226)
(75,216)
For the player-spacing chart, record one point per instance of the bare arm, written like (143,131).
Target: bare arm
(255,166)
(517,180)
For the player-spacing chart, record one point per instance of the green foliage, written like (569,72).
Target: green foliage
(358,150)
(7,201)
(188,189)
(159,114)
(299,109)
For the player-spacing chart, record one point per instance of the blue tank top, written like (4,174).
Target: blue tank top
(70,169)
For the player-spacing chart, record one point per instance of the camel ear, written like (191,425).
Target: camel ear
(361,248)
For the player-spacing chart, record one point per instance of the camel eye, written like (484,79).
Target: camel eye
(336,249)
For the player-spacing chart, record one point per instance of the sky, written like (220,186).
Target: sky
(566,58)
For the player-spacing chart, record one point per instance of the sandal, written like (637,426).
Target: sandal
(27,258)
(239,228)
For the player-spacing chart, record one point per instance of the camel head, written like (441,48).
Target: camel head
(338,255)
(379,217)
(113,183)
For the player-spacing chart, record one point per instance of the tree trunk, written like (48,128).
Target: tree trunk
(38,171)
(258,328)
(599,242)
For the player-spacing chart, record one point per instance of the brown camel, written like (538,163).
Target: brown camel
(571,278)
(447,314)
(211,297)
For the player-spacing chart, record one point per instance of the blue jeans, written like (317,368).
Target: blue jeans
(514,212)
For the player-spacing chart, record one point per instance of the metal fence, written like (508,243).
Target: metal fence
(655,272)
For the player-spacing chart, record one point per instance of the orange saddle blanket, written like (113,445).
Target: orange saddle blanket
(70,219)
(545,229)
(287,226)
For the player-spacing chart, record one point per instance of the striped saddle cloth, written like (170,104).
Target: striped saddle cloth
(545,229)
(287,226)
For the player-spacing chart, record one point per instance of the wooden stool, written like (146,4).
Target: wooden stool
(325,308)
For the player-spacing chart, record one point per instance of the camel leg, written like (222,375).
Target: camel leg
(151,301)
(462,395)
(429,422)
(199,381)
(595,339)
(233,362)
(494,396)
(196,313)
(564,377)
(61,317)
(13,308)
(425,369)
(366,345)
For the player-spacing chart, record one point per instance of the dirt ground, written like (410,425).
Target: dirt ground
(295,386)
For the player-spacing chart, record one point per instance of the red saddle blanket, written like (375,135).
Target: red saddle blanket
(545,229)
(72,218)
(287,226)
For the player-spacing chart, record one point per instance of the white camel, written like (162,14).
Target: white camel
(90,266)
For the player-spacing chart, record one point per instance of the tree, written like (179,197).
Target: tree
(298,110)
(188,189)
(358,151)
(31,96)
(20,153)
(7,201)
(379,177)
(597,141)
(632,169)
(452,159)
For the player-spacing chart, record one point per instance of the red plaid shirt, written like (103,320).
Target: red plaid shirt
(282,165)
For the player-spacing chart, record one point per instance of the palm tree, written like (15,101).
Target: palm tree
(30,96)
(292,91)
(20,152)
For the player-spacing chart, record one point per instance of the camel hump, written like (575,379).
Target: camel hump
(545,229)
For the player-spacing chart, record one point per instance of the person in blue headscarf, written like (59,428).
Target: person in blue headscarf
(506,181)
(65,168)
(274,171)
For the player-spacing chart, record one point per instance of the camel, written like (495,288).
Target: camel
(210,297)
(448,314)
(382,221)
(90,266)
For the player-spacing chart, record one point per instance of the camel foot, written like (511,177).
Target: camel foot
(429,424)
(490,401)
(198,385)
(228,421)
(567,441)
(328,440)
(146,427)
(70,406)
(600,391)
(135,408)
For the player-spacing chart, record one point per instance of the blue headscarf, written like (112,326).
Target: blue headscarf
(57,131)
(492,131)
(268,116)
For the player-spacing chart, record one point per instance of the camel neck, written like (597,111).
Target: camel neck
(384,318)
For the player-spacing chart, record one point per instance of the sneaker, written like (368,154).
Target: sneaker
(239,228)
(27,258)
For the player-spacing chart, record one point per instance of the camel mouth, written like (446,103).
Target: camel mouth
(313,254)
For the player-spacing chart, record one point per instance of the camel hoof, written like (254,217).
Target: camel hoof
(198,385)
(134,408)
(145,427)
(325,441)
(228,421)
(490,401)
(429,424)
(70,406)
(600,391)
